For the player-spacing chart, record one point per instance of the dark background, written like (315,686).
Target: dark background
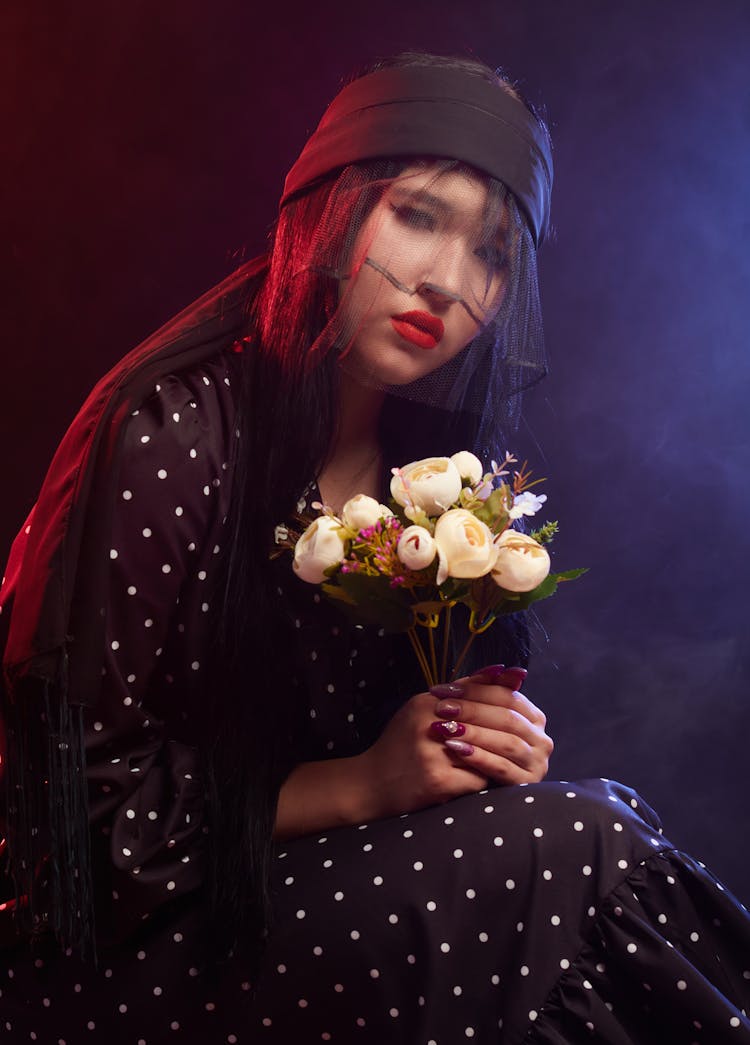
(143,152)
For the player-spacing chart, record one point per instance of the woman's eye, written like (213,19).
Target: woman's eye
(494,256)
(414,217)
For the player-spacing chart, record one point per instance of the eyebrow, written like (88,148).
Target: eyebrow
(500,233)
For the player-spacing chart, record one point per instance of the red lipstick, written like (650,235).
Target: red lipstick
(420,328)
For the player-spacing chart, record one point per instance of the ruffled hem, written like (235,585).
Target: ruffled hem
(667,960)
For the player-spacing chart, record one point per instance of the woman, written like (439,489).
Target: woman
(238,817)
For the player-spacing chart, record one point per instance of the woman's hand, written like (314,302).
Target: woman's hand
(488,726)
(422,758)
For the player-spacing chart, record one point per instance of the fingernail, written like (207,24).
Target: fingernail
(446,709)
(445,730)
(447,689)
(497,675)
(459,747)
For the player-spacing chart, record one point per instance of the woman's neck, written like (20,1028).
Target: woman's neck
(354,465)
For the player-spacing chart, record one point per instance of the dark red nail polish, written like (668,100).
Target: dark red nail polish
(447,709)
(459,747)
(447,689)
(446,730)
(497,675)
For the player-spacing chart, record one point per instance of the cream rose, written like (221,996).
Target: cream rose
(522,563)
(432,484)
(469,466)
(319,547)
(416,548)
(465,545)
(362,511)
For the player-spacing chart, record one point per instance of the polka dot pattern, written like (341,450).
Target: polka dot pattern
(536,908)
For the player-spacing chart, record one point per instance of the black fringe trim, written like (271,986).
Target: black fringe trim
(47,815)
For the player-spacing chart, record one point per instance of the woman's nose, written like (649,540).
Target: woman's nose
(442,281)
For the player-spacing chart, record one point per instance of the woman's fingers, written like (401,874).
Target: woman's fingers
(495,767)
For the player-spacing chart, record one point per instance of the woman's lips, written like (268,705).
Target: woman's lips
(420,328)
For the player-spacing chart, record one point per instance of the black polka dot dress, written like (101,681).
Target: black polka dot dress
(547,914)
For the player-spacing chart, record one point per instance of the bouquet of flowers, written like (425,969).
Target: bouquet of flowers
(446,539)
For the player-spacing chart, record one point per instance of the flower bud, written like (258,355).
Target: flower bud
(362,511)
(522,563)
(469,466)
(416,548)
(432,484)
(319,547)
(465,545)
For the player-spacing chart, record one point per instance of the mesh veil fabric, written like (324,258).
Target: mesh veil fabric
(425,236)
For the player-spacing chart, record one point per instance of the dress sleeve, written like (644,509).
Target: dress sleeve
(145,785)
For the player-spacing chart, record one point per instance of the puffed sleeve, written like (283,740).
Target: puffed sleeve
(145,781)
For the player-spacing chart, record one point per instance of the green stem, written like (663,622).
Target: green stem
(420,655)
(464,651)
(446,643)
(433,654)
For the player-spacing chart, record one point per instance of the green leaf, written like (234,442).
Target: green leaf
(372,600)
(494,507)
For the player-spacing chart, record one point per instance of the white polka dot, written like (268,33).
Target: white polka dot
(195,665)
(470,894)
(586,869)
(418,865)
(547,875)
(734,1022)
(132,590)
(374,973)
(538,832)
(483,937)
(564,963)
(617,826)
(377,880)
(354,934)
(152,814)
(622,864)
(166,568)
(489,809)
(570,794)
(458,853)
(445,948)
(681,985)
(170,886)
(469,1032)
(529,799)
(127,495)
(115,644)
(146,531)
(393,1013)
(145,439)
(631,948)
(555,919)
(393,919)
(431,905)
(695,937)
(497,841)
(533,1014)
(510,884)
(448,820)
(578,826)
(130,814)
(338,896)
(408,833)
(524,970)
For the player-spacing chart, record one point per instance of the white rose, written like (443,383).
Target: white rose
(362,511)
(522,563)
(432,484)
(319,547)
(469,466)
(416,548)
(465,545)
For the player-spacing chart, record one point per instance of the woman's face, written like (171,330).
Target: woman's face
(428,274)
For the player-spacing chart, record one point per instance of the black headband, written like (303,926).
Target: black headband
(433,111)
